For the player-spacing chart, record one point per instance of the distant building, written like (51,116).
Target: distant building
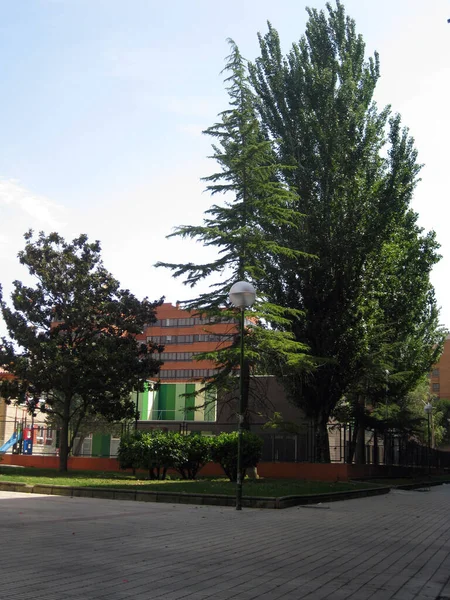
(440,374)
(177,399)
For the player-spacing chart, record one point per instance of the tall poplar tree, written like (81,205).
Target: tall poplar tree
(354,170)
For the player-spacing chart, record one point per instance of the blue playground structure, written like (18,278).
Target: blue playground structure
(14,439)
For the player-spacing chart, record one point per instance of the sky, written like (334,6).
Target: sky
(103,103)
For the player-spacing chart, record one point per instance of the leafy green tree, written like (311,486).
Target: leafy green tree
(354,170)
(443,415)
(72,346)
(244,231)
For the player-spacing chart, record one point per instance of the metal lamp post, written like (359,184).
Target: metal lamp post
(386,408)
(242,295)
(136,413)
(428,408)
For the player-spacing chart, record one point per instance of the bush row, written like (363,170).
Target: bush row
(157,451)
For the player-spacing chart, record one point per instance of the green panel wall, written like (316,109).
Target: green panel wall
(101,444)
(152,405)
(210,408)
(189,401)
(170,403)
(180,402)
(143,403)
(166,402)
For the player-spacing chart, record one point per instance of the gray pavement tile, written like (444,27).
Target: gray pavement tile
(382,548)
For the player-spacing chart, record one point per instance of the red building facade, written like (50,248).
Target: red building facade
(185,335)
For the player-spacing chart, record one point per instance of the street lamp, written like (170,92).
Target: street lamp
(387,394)
(386,418)
(428,408)
(242,295)
(136,412)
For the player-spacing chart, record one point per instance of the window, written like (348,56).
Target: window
(157,323)
(435,373)
(114,446)
(211,337)
(179,356)
(40,435)
(186,322)
(49,437)
(185,339)
(436,387)
(186,373)
(164,340)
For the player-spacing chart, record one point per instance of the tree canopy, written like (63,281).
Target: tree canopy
(367,299)
(244,230)
(72,337)
(320,220)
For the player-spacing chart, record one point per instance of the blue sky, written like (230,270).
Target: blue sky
(103,103)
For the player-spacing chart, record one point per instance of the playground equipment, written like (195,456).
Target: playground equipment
(14,439)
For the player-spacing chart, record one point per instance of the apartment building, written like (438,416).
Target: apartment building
(184,336)
(178,400)
(177,397)
(440,374)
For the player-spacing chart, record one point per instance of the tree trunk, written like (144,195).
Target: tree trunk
(64,446)
(360,450)
(77,449)
(375,447)
(64,439)
(353,432)
(322,440)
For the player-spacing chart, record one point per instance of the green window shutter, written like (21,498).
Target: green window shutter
(101,444)
(190,402)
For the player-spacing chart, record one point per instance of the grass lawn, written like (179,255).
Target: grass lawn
(260,487)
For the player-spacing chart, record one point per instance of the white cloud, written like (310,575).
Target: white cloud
(39,209)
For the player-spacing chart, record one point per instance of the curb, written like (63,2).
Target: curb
(418,485)
(188,498)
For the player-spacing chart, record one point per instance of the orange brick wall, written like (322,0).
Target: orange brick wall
(440,376)
(169,311)
(278,470)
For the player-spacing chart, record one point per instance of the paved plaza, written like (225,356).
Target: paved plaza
(393,546)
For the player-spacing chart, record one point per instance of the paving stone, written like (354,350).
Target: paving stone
(380,548)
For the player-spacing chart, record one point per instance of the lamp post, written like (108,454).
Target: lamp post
(242,295)
(428,408)
(387,395)
(136,412)
(386,418)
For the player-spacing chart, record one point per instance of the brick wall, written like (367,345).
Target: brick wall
(440,375)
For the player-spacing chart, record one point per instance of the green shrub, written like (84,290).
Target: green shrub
(159,454)
(192,451)
(224,451)
(130,451)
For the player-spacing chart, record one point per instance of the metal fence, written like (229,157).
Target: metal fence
(387,449)
(391,449)
(20,437)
